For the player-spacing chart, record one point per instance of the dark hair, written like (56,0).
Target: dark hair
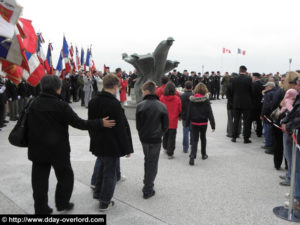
(149,86)
(243,69)
(50,83)
(170,89)
(118,70)
(110,81)
(164,80)
(188,85)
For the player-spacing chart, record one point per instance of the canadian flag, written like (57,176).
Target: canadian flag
(225,50)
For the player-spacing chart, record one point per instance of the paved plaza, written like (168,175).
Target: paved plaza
(237,184)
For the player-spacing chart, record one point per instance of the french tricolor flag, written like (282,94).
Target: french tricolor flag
(77,59)
(65,55)
(41,54)
(225,50)
(49,58)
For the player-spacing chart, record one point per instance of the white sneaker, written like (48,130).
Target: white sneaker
(104,208)
(287,195)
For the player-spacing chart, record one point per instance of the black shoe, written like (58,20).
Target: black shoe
(204,157)
(95,196)
(5,121)
(104,207)
(266,147)
(2,125)
(192,161)
(230,136)
(247,141)
(269,151)
(69,207)
(285,183)
(233,140)
(148,195)
(258,135)
(47,211)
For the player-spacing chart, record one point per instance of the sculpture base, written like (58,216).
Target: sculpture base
(130,110)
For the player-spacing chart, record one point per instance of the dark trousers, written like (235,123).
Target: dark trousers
(40,184)
(81,94)
(106,180)
(96,171)
(151,152)
(218,93)
(256,118)
(2,109)
(277,146)
(13,109)
(237,113)
(169,141)
(198,131)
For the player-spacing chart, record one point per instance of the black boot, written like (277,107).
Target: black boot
(192,161)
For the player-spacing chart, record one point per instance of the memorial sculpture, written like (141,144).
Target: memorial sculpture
(151,66)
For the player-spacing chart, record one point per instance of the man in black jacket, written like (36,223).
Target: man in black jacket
(151,122)
(241,90)
(48,144)
(108,144)
(257,102)
(185,101)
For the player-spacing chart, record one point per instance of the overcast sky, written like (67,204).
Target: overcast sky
(268,30)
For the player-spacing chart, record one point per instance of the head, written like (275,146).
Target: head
(111,84)
(226,74)
(290,76)
(149,88)
(269,85)
(51,84)
(243,69)
(201,89)
(185,72)
(164,80)
(170,89)
(118,72)
(255,76)
(188,85)
(218,72)
(174,72)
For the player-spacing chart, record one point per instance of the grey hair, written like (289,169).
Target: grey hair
(50,83)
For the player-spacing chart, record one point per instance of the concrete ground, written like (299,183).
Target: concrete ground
(237,184)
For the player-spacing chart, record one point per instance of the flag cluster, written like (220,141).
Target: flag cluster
(21,52)
(239,51)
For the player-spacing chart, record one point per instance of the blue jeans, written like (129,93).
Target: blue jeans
(297,180)
(268,134)
(96,171)
(287,151)
(106,180)
(187,131)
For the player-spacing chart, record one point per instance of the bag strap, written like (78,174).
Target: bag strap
(27,108)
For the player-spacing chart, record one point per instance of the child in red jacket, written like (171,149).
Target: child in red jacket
(173,104)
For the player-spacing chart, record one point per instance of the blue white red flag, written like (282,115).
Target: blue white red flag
(59,66)
(82,57)
(65,55)
(49,58)
(77,59)
(41,54)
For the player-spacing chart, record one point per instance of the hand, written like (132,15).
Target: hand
(19,97)
(179,118)
(127,156)
(108,123)
(10,99)
(261,118)
(283,126)
(213,130)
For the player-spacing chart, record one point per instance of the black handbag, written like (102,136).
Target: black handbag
(18,135)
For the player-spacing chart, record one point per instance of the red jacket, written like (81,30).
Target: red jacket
(173,104)
(124,84)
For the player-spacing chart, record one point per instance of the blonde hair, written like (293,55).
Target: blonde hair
(201,89)
(291,75)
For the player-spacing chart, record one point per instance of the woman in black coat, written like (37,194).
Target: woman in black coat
(199,112)
(48,144)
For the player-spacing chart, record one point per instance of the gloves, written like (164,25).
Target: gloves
(19,97)
(2,89)
(10,99)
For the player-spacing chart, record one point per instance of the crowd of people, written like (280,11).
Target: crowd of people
(256,101)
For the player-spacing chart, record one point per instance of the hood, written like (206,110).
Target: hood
(169,97)
(198,98)
(291,94)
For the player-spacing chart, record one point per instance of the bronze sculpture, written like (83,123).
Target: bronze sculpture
(151,66)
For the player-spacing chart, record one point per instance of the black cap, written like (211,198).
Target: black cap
(256,75)
(294,81)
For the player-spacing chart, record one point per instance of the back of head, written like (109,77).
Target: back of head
(290,76)
(201,89)
(188,85)
(164,80)
(50,84)
(149,86)
(169,89)
(110,81)
(243,69)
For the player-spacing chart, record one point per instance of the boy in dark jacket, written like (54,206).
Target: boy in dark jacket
(199,112)
(151,122)
(108,144)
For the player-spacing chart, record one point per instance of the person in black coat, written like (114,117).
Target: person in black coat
(108,144)
(198,114)
(241,91)
(257,87)
(185,101)
(12,96)
(152,122)
(2,102)
(48,144)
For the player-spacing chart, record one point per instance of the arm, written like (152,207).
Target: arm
(211,118)
(165,119)
(137,118)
